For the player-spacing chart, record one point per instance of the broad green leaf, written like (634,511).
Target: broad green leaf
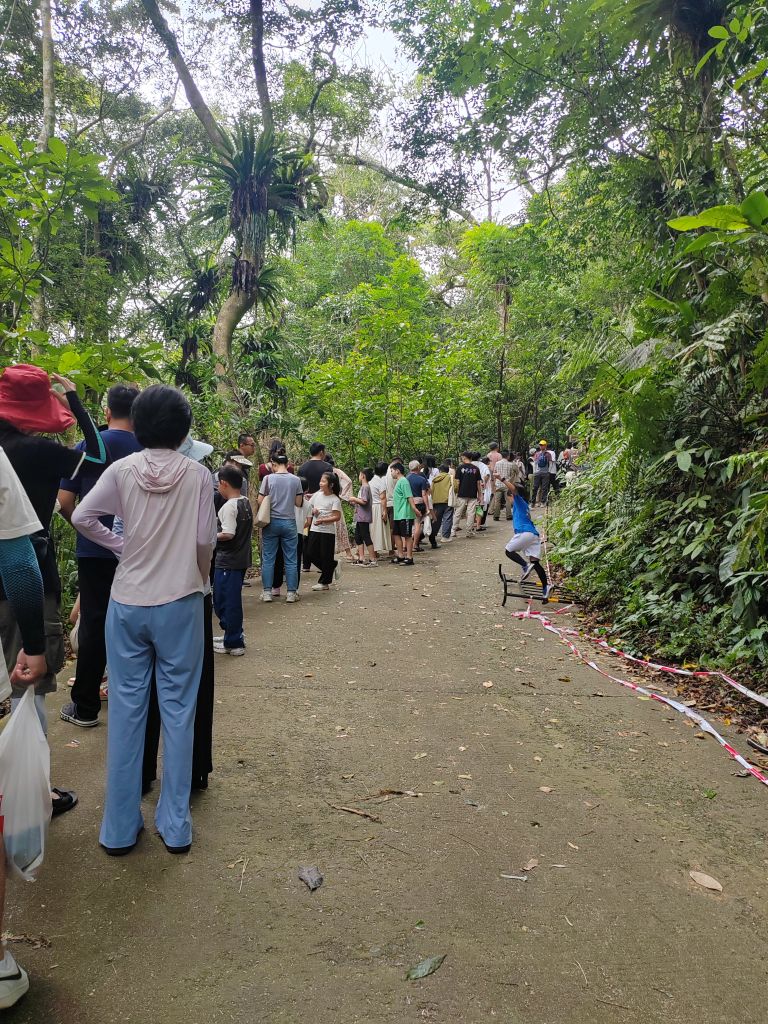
(719,32)
(755,209)
(724,218)
(58,149)
(703,61)
(684,461)
(754,72)
(425,968)
(703,241)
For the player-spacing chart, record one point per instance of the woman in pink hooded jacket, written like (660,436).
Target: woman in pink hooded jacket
(155,617)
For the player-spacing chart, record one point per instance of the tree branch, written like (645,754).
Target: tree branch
(138,139)
(401,179)
(259,64)
(193,94)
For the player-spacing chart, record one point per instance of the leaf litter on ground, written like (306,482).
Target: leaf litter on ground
(425,968)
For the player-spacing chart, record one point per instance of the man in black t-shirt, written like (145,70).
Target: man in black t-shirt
(96,566)
(469,491)
(313,469)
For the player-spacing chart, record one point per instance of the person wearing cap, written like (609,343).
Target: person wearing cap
(155,617)
(30,406)
(95,566)
(544,464)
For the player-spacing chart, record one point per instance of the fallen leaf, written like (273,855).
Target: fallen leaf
(532,863)
(517,878)
(465,776)
(417,757)
(573,846)
(311,877)
(425,968)
(538,760)
(707,881)
(72,743)
(545,789)
(488,684)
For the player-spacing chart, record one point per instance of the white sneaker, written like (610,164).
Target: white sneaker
(321,586)
(14,982)
(293,597)
(218,640)
(447,540)
(234,652)
(372,565)
(266,596)
(526,572)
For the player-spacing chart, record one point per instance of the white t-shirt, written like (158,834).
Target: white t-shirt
(377,485)
(228,516)
(302,514)
(17,519)
(324,503)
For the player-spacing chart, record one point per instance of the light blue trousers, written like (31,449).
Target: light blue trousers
(169,639)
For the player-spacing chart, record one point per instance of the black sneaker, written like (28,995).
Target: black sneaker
(69,714)
(407,561)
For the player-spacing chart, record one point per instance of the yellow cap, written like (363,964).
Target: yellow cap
(542,442)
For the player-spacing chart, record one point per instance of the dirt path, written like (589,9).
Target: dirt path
(378,686)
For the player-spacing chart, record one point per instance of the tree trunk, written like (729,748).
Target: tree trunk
(193,94)
(49,88)
(233,309)
(259,64)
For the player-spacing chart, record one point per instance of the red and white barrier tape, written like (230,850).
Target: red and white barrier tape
(704,725)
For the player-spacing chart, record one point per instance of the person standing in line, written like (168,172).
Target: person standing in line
(502,471)
(285,496)
(406,513)
(314,467)
(23,583)
(380,528)
(543,466)
(390,487)
(494,455)
(276,447)
(366,553)
(448,513)
(324,511)
(95,566)
(233,554)
(155,617)
(343,543)
(420,493)
(442,486)
(302,513)
(469,492)
(202,746)
(481,513)
(524,547)
(429,467)
(30,406)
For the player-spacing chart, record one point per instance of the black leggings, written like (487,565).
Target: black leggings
(537,566)
(320,551)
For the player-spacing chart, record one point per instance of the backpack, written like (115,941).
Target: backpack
(542,460)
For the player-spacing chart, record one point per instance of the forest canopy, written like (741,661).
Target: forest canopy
(539,219)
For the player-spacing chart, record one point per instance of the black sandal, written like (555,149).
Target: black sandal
(64,800)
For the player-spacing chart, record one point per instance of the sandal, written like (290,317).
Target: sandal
(62,800)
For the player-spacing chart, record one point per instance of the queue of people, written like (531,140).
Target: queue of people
(163,545)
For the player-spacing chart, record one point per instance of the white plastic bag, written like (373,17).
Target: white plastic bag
(25,789)
(426,526)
